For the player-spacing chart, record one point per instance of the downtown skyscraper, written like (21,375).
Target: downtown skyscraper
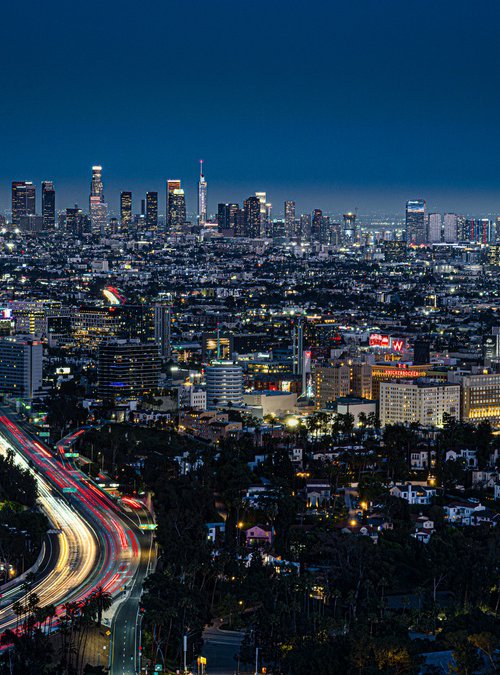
(202,197)
(97,206)
(416,221)
(48,205)
(151,210)
(176,205)
(23,200)
(126,209)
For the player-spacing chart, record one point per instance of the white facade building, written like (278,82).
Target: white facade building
(422,402)
(224,382)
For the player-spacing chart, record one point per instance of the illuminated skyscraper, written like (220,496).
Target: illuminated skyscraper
(316,225)
(126,209)
(48,204)
(350,236)
(253,223)
(434,235)
(151,210)
(416,225)
(23,200)
(264,210)
(290,220)
(98,207)
(176,204)
(202,197)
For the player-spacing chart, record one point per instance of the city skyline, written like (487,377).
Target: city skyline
(384,104)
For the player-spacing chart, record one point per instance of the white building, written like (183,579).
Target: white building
(434,235)
(277,403)
(224,382)
(21,359)
(450,228)
(422,402)
(413,494)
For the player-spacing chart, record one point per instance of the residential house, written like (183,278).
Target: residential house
(413,494)
(259,535)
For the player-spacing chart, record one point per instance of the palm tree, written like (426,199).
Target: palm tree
(103,602)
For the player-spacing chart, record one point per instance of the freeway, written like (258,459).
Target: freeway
(99,545)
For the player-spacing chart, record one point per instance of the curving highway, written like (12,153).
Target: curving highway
(96,543)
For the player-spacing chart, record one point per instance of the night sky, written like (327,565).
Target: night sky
(336,104)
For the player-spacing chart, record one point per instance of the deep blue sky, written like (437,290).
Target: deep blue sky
(334,103)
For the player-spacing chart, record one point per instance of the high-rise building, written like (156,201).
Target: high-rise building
(316,225)
(125,209)
(263,210)
(331,382)
(48,205)
(361,380)
(420,402)
(127,370)
(162,321)
(349,228)
(481,398)
(416,225)
(434,235)
(176,204)
(76,221)
(224,382)
(151,210)
(450,228)
(253,221)
(226,216)
(23,200)
(290,220)
(305,227)
(21,360)
(202,197)
(98,207)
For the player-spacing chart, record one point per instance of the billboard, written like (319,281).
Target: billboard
(396,344)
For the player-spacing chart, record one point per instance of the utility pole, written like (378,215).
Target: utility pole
(185,647)
(256,661)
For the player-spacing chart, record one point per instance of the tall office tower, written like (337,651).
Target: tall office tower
(290,219)
(335,238)
(176,209)
(450,228)
(263,210)
(202,197)
(239,222)
(316,225)
(21,360)
(222,216)
(162,321)
(125,209)
(497,229)
(253,223)
(462,228)
(176,204)
(172,184)
(416,221)
(350,236)
(226,216)
(324,236)
(434,235)
(98,207)
(151,210)
(23,200)
(127,370)
(305,227)
(76,221)
(224,384)
(48,205)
